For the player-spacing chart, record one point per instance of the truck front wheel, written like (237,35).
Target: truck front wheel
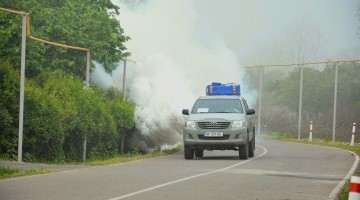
(244,149)
(252,147)
(188,153)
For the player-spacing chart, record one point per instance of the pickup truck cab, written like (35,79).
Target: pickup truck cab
(219,123)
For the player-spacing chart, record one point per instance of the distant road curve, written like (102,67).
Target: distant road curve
(278,171)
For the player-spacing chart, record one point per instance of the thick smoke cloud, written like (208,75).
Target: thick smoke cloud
(172,67)
(181,46)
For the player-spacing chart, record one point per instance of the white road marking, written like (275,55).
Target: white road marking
(188,178)
(334,178)
(334,194)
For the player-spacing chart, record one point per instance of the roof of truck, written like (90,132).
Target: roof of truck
(220,97)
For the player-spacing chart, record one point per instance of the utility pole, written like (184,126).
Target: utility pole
(335,102)
(260,99)
(125,55)
(22,87)
(300,100)
(87,85)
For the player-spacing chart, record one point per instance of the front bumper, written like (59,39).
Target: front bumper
(232,138)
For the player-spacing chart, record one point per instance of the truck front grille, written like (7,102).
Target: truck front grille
(201,137)
(213,125)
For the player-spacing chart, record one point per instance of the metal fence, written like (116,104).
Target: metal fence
(285,122)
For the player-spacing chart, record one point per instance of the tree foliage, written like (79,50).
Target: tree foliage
(60,113)
(9,107)
(83,23)
(318,96)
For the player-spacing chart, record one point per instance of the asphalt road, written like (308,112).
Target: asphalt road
(278,171)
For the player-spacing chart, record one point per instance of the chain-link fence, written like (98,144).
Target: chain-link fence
(292,95)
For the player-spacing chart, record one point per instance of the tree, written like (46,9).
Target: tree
(59,111)
(84,23)
(318,90)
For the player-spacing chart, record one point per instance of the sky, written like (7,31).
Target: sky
(247,26)
(180,46)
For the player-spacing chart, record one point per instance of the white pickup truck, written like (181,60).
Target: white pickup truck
(219,123)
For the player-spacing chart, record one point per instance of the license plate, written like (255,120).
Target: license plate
(213,134)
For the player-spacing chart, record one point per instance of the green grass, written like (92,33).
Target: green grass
(322,142)
(6,172)
(130,157)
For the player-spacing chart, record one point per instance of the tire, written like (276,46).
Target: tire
(199,153)
(244,150)
(252,147)
(188,153)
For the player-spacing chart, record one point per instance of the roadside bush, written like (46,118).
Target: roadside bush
(59,114)
(9,109)
(43,130)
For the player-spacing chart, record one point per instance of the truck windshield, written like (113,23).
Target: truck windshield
(217,106)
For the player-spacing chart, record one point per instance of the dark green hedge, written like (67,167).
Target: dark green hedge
(59,113)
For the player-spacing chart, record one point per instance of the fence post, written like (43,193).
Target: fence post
(352,143)
(354,191)
(311,129)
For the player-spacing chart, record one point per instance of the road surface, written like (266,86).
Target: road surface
(278,171)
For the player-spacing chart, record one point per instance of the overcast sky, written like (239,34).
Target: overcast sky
(246,25)
(252,27)
(193,36)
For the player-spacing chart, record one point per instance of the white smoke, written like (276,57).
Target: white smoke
(174,63)
(100,77)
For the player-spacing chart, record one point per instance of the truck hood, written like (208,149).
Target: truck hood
(217,116)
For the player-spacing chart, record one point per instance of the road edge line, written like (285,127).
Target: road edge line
(338,188)
(336,191)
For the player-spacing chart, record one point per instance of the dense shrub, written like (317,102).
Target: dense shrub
(9,109)
(59,114)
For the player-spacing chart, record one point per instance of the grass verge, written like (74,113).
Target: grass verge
(6,172)
(341,145)
(130,157)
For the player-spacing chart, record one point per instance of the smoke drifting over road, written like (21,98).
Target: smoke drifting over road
(172,67)
(181,46)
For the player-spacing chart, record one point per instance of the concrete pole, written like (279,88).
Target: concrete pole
(124,80)
(125,55)
(88,69)
(22,88)
(311,131)
(300,100)
(84,150)
(260,100)
(335,102)
(124,96)
(87,85)
(122,143)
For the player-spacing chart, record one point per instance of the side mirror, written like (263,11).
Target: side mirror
(250,111)
(185,111)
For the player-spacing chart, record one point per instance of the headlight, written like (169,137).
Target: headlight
(238,124)
(190,124)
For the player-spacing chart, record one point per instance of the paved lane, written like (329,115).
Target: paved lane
(279,171)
